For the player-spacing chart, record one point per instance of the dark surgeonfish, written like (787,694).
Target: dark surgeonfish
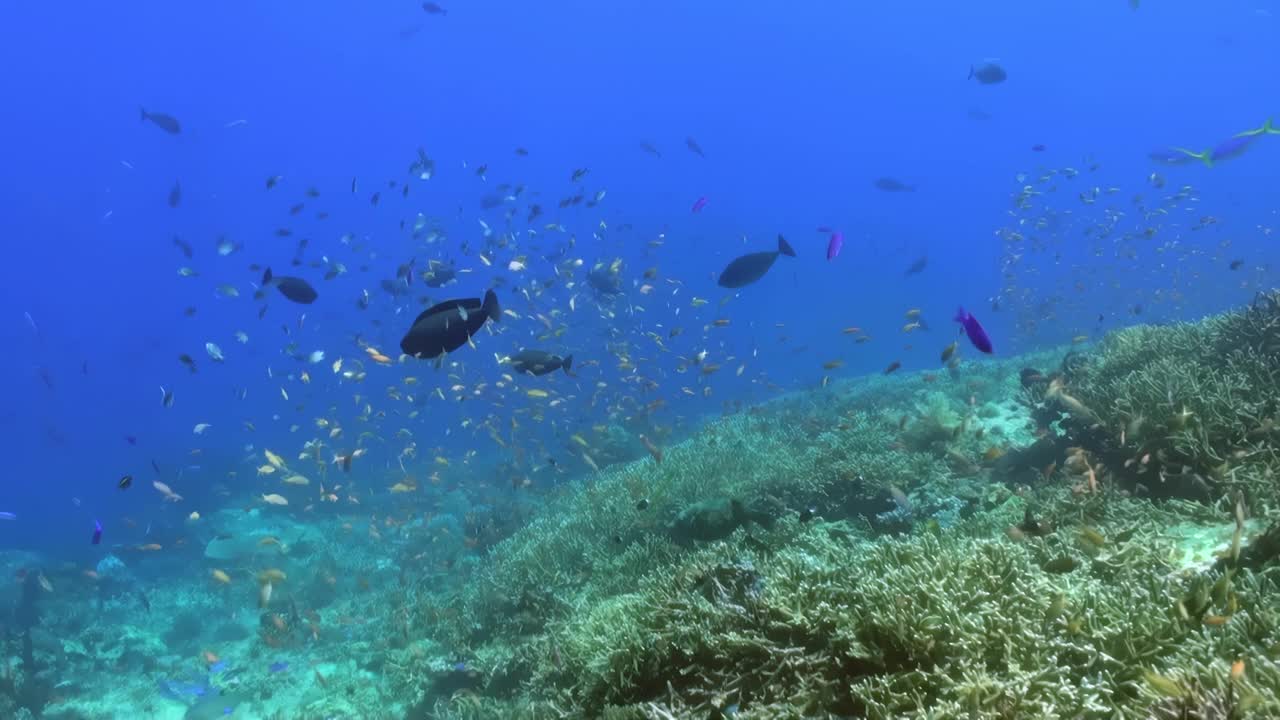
(888,184)
(538,362)
(294,288)
(167,123)
(448,326)
(988,73)
(751,267)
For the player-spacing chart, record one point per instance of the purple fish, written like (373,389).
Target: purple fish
(973,329)
(699,204)
(834,244)
(1232,147)
(97,532)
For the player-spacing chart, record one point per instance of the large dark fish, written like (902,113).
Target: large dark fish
(987,73)
(752,266)
(446,327)
(167,123)
(605,281)
(294,288)
(537,362)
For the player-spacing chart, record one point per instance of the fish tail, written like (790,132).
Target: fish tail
(490,306)
(266,276)
(784,247)
(1268,128)
(961,315)
(567,364)
(143,111)
(1204,156)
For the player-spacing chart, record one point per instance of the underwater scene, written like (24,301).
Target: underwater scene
(640,361)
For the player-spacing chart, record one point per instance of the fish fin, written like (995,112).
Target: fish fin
(961,315)
(1204,156)
(784,247)
(266,277)
(490,306)
(567,364)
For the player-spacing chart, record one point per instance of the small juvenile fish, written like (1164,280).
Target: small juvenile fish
(699,204)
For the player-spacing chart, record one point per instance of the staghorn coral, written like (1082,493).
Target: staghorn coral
(595,610)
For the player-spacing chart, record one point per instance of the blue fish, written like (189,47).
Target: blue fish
(278,667)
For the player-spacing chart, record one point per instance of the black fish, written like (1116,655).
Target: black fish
(752,266)
(987,73)
(605,281)
(294,288)
(182,245)
(648,147)
(175,194)
(125,482)
(694,146)
(167,123)
(446,327)
(537,362)
(888,184)
(431,8)
(917,267)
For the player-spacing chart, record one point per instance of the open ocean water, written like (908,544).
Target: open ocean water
(484,359)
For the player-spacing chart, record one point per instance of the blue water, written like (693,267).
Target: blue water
(799,108)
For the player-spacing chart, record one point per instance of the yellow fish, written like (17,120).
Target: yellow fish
(273,458)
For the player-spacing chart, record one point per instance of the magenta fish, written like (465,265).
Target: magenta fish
(699,204)
(834,244)
(973,329)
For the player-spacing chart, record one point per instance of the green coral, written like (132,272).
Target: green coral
(1197,400)
(695,585)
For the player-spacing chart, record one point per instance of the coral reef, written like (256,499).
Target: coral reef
(1083,533)
(873,550)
